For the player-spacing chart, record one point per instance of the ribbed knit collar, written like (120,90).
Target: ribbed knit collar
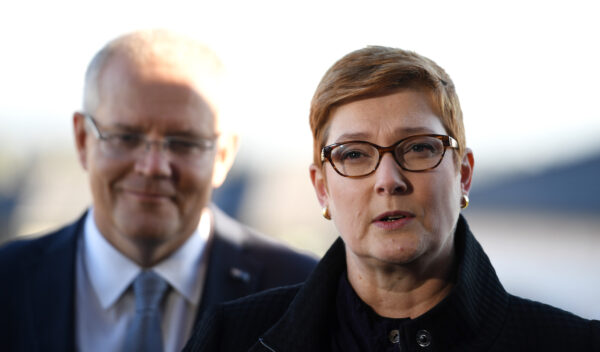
(469,317)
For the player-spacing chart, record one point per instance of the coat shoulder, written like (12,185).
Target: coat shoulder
(532,325)
(40,274)
(286,265)
(531,313)
(225,327)
(273,251)
(18,251)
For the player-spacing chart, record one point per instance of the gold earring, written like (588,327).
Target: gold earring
(464,202)
(326,214)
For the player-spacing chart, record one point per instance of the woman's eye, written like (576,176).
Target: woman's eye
(353,154)
(421,147)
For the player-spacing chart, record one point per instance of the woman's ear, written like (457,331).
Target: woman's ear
(317,177)
(466,171)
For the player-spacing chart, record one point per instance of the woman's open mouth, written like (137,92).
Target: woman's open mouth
(393,220)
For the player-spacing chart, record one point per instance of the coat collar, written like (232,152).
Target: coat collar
(231,272)
(317,295)
(473,311)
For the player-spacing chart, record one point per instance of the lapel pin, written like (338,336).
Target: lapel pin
(239,274)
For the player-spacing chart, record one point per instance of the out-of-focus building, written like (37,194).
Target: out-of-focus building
(542,233)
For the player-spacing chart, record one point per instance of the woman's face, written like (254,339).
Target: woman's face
(393,216)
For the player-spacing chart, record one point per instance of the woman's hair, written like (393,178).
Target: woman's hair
(376,71)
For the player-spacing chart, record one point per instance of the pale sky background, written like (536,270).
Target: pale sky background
(527,72)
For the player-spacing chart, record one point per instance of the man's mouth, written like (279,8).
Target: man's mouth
(148,195)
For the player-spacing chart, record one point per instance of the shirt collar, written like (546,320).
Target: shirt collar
(110,272)
(181,268)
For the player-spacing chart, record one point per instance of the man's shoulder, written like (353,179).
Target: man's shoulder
(274,249)
(40,274)
(20,250)
(251,242)
(242,261)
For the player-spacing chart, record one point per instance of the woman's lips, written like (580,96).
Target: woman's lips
(393,220)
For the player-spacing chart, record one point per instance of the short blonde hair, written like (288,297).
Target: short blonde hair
(377,71)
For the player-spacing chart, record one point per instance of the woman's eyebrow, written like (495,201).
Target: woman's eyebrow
(414,130)
(352,136)
(404,131)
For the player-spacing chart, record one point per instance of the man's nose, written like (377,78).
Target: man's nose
(153,159)
(389,178)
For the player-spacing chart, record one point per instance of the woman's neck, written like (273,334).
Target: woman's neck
(401,291)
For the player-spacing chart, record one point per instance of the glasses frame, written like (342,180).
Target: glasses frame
(91,122)
(204,143)
(447,141)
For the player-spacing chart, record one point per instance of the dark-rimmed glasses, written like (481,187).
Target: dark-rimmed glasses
(415,153)
(127,145)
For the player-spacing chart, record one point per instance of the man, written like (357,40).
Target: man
(151,142)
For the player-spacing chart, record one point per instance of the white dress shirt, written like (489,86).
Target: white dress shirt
(105,304)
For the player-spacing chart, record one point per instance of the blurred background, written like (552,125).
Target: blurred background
(527,74)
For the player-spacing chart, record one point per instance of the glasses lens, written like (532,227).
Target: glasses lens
(186,149)
(127,146)
(122,145)
(354,159)
(420,152)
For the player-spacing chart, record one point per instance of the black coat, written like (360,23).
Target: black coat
(37,292)
(478,315)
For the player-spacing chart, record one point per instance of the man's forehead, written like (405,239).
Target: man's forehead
(156,69)
(154,81)
(126,67)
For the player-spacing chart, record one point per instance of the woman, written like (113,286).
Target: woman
(391,170)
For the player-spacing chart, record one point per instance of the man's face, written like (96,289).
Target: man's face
(152,200)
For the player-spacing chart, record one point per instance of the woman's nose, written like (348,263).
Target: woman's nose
(389,178)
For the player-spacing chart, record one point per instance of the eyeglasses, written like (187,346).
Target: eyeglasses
(127,145)
(415,153)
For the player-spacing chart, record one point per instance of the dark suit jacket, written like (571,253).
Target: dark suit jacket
(37,279)
(478,315)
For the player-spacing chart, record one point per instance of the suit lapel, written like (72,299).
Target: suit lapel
(52,290)
(231,272)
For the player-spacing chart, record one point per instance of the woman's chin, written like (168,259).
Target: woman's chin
(395,252)
(402,256)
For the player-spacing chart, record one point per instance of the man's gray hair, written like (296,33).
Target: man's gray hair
(169,47)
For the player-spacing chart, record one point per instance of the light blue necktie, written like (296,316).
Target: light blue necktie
(144,334)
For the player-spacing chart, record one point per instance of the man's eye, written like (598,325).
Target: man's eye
(127,140)
(183,146)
